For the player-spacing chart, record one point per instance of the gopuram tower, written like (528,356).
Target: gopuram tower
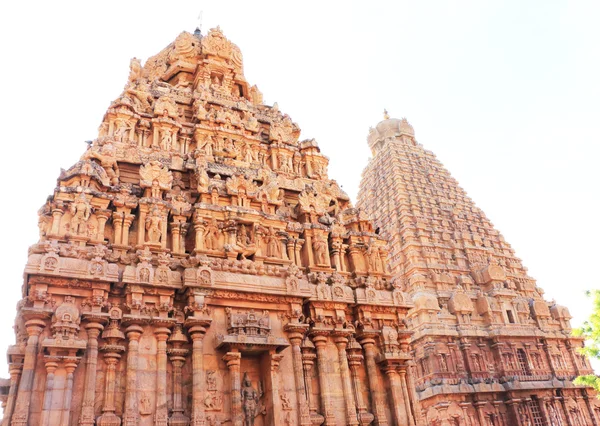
(489,349)
(198,267)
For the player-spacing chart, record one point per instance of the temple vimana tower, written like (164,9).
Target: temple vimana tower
(198,267)
(488,349)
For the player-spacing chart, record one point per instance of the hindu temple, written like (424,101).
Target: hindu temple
(198,267)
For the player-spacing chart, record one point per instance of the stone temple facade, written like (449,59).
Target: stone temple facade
(198,267)
(488,349)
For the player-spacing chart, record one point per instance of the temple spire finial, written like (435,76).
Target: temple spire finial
(386,116)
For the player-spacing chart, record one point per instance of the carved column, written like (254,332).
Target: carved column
(108,417)
(398,405)
(406,396)
(34,328)
(70,366)
(131,415)
(298,251)
(513,405)
(51,366)
(274,412)
(141,232)
(102,216)
(57,215)
(412,390)
(161,415)
(175,240)
(308,358)
(586,398)
(118,227)
(295,334)
(341,341)
(320,342)
(15,375)
(177,355)
(127,221)
(112,353)
(233,360)
(89,391)
(545,416)
(368,343)
(290,250)
(355,359)
(197,330)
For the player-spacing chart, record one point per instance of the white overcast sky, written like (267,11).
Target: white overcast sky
(506,93)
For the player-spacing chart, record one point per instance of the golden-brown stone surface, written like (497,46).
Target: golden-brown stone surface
(198,267)
(488,349)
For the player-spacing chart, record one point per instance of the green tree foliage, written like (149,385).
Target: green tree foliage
(590,330)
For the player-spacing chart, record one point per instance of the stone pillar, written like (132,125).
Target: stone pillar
(89,391)
(479,408)
(406,396)
(161,416)
(412,390)
(102,216)
(108,417)
(15,375)
(398,405)
(131,414)
(298,251)
(175,237)
(565,412)
(295,334)
(320,342)
(141,231)
(543,410)
(355,359)
(274,411)
(513,406)
(118,227)
(51,366)
(308,358)
(290,250)
(197,331)
(34,328)
(368,343)
(57,215)
(70,366)
(127,221)
(341,341)
(177,355)
(233,360)
(586,398)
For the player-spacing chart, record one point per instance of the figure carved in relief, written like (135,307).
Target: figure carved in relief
(273,246)
(145,405)
(252,122)
(201,112)
(81,211)
(250,401)
(153,226)
(211,380)
(211,235)
(166,140)
(320,250)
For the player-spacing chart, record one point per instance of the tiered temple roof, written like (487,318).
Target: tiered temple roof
(482,331)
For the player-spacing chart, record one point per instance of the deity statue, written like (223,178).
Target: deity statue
(81,211)
(211,235)
(153,226)
(166,140)
(320,249)
(250,401)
